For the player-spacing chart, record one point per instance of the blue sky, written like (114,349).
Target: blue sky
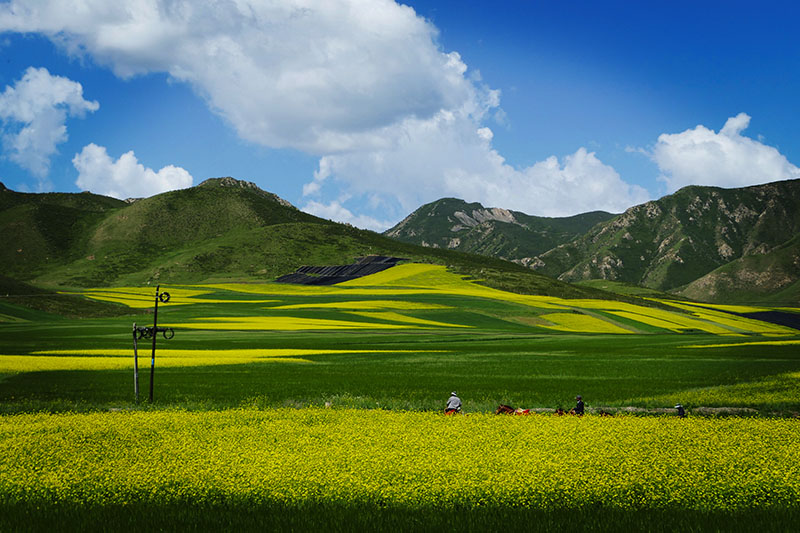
(362,110)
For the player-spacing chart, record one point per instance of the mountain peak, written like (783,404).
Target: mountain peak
(230,182)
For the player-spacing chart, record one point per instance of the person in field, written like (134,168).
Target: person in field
(681,411)
(453,404)
(578,409)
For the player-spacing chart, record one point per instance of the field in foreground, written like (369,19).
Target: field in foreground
(333,464)
(223,447)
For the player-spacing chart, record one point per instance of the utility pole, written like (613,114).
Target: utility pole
(143,332)
(163,297)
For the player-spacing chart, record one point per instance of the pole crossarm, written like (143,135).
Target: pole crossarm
(146,332)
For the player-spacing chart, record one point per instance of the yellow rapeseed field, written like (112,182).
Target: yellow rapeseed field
(653,316)
(144,297)
(731,308)
(670,325)
(281,323)
(114,359)
(730,321)
(365,304)
(580,323)
(785,342)
(400,458)
(388,290)
(397,317)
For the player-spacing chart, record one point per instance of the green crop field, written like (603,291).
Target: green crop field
(370,363)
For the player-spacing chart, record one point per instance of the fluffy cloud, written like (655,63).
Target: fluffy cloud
(449,156)
(318,76)
(125,177)
(336,211)
(701,156)
(364,84)
(34,113)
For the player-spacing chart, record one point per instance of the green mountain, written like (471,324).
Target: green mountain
(675,240)
(769,278)
(742,239)
(469,227)
(221,230)
(706,243)
(39,231)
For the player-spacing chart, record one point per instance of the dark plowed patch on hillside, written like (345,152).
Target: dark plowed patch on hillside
(331,275)
(781,318)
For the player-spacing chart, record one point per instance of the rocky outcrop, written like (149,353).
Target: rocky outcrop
(482,215)
(242,184)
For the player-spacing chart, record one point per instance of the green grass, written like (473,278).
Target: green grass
(530,371)
(502,358)
(21,302)
(499,358)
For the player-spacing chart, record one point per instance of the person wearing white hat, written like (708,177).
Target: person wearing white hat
(453,404)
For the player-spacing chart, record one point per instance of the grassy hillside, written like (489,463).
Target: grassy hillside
(183,235)
(673,241)
(627,289)
(221,230)
(226,229)
(772,278)
(41,231)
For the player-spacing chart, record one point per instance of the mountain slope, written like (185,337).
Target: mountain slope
(666,244)
(38,231)
(222,229)
(469,227)
(673,241)
(772,278)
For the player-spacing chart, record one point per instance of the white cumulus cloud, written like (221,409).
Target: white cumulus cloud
(34,112)
(701,156)
(317,76)
(448,156)
(125,177)
(364,84)
(337,212)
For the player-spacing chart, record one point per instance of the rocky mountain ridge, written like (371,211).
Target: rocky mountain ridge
(675,243)
(470,227)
